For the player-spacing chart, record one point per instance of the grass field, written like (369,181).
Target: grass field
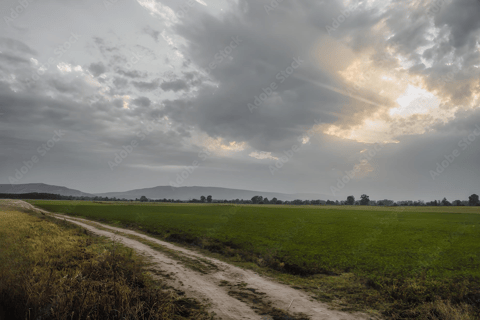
(406,258)
(50,269)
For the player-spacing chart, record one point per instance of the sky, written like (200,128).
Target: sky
(336,98)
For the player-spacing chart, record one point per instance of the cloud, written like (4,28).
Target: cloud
(120,83)
(175,85)
(146,86)
(11,59)
(262,155)
(201,2)
(13,45)
(97,69)
(151,32)
(142,102)
(461,16)
(159,10)
(131,73)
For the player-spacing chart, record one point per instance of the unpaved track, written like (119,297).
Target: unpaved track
(206,287)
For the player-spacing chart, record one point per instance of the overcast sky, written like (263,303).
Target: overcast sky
(285,96)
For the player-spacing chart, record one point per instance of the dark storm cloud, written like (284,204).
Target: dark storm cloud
(462,18)
(255,62)
(76,118)
(410,32)
(252,65)
(24,109)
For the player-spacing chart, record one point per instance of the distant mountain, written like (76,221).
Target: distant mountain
(41,188)
(187,193)
(161,192)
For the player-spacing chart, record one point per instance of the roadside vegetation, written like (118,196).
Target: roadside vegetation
(402,263)
(51,269)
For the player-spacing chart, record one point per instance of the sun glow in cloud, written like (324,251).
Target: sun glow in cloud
(370,131)
(415,101)
(218,146)
(126,99)
(305,140)
(202,3)
(102,90)
(400,104)
(67,68)
(159,10)
(262,155)
(64,67)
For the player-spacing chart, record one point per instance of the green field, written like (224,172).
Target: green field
(438,248)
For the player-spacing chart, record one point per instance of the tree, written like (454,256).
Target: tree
(143,199)
(274,200)
(458,203)
(445,202)
(209,199)
(265,200)
(350,200)
(202,198)
(385,202)
(473,200)
(257,199)
(365,200)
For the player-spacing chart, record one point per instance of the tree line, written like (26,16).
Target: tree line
(473,200)
(364,200)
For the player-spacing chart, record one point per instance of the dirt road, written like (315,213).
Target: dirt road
(231,292)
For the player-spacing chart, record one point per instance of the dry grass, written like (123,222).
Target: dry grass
(444,310)
(53,270)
